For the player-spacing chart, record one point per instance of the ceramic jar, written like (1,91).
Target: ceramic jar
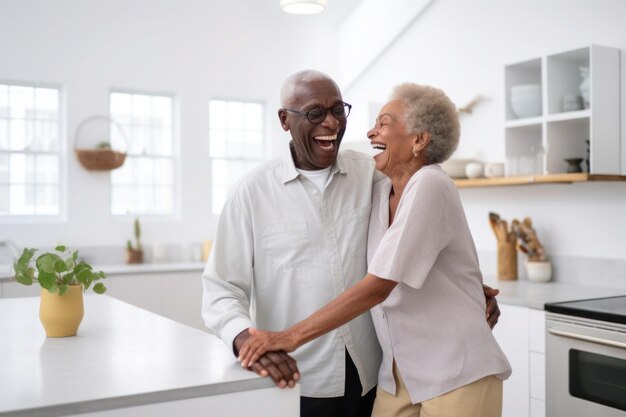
(539,271)
(494,170)
(474,170)
(572,102)
(584,86)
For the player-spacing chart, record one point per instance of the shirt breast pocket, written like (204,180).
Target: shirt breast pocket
(353,230)
(287,244)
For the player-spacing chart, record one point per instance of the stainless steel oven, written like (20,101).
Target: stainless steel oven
(586,358)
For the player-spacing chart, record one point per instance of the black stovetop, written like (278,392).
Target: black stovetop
(612,309)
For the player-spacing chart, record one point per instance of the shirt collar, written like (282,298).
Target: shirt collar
(290,173)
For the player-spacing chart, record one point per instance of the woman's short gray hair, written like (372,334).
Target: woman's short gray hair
(428,109)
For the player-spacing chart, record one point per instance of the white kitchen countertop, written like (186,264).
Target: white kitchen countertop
(519,292)
(6,271)
(122,356)
(148,268)
(536,294)
(125,356)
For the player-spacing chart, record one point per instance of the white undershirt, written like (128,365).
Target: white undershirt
(319,177)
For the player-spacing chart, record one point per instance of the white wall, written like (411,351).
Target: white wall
(194,49)
(462,47)
(200,49)
(376,24)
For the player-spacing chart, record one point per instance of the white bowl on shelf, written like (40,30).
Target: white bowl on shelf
(474,170)
(526,100)
(526,89)
(455,168)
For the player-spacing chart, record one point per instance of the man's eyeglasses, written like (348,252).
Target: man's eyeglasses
(316,115)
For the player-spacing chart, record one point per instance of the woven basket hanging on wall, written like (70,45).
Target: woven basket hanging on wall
(93,144)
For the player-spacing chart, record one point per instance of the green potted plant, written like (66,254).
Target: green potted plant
(63,279)
(134,254)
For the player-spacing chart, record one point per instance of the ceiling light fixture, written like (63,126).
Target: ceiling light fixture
(303,6)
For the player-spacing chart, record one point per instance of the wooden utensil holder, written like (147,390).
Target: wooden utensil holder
(507,261)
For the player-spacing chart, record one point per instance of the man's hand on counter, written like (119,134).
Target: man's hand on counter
(281,367)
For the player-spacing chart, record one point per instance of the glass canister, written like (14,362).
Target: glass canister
(584,86)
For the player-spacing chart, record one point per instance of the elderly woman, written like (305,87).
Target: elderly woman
(423,285)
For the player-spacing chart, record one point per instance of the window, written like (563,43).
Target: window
(30,151)
(145,183)
(236,143)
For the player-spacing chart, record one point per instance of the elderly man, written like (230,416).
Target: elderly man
(291,237)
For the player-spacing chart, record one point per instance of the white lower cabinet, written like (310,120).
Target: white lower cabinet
(537,382)
(12,289)
(513,336)
(520,334)
(182,298)
(175,295)
(537,354)
(537,408)
(141,290)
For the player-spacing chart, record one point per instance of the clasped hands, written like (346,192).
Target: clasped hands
(265,352)
(268,361)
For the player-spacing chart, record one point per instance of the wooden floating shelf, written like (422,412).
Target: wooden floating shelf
(535,179)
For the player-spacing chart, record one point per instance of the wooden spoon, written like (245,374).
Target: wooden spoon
(493,221)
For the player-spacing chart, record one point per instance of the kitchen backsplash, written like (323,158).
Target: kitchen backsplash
(155,253)
(566,269)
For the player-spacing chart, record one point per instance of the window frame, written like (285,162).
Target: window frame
(61,216)
(264,136)
(175,156)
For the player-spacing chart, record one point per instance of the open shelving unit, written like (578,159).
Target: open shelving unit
(536,179)
(537,146)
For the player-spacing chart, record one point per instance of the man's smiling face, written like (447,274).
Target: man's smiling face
(315,146)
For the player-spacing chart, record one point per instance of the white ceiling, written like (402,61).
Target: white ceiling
(336,10)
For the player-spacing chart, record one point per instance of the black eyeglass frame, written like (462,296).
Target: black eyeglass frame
(344,105)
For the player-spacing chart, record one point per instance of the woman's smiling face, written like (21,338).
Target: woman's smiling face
(390,136)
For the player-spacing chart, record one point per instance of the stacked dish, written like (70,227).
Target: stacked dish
(455,168)
(526,100)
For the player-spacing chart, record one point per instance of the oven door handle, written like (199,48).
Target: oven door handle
(588,338)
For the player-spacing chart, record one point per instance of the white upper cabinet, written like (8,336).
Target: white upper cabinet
(564,106)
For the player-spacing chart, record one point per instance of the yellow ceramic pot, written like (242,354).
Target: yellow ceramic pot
(61,314)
